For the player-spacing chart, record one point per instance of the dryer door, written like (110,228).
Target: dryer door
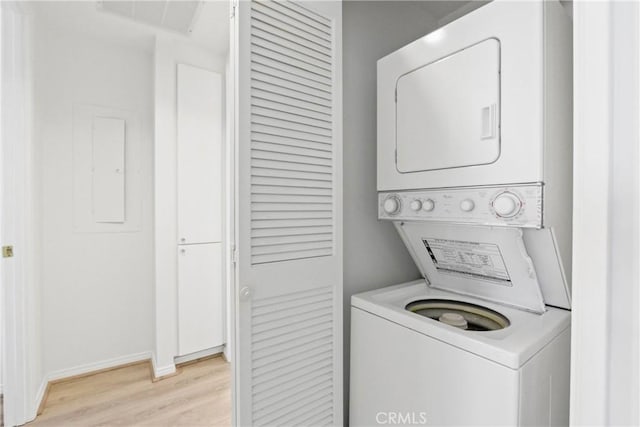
(448,111)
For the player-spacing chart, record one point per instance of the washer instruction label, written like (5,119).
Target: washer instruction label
(480,260)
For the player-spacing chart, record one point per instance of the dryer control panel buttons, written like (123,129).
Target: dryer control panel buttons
(467,205)
(428,205)
(519,206)
(392,204)
(506,204)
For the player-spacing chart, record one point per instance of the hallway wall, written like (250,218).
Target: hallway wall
(97,303)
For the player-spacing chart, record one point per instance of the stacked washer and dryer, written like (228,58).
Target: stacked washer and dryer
(474,171)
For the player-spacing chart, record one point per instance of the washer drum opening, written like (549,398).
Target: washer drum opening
(463,315)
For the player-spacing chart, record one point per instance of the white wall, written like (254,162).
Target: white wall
(624,279)
(169,53)
(374,254)
(605,377)
(97,286)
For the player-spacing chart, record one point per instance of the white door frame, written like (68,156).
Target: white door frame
(18,405)
(606,223)
(232,200)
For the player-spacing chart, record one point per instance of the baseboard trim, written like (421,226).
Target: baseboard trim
(160,373)
(164,373)
(41,397)
(198,355)
(97,367)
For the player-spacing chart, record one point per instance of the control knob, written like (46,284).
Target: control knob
(506,204)
(428,205)
(467,205)
(415,205)
(391,205)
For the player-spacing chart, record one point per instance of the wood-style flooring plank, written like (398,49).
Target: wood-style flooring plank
(199,396)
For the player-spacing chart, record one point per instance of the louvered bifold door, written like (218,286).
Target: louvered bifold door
(289,204)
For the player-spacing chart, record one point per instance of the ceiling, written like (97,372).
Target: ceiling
(171,15)
(446,11)
(205,23)
(210,27)
(440,9)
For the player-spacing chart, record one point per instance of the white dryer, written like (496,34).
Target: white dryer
(484,102)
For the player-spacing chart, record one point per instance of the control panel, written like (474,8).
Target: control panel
(519,206)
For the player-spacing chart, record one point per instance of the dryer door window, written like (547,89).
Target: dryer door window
(448,111)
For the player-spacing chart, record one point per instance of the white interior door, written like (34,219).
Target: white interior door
(200,309)
(289,274)
(199,155)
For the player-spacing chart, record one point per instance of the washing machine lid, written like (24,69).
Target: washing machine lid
(489,263)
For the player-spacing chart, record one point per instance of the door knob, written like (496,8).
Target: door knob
(245,293)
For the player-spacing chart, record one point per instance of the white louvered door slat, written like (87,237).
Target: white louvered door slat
(289,236)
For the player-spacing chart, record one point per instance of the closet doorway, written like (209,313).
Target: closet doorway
(123,259)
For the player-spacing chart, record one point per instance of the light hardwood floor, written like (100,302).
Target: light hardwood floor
(198,396)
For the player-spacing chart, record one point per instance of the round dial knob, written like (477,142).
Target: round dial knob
(506,204)
(391,205)
(416,205)
(428,205)
(467,205)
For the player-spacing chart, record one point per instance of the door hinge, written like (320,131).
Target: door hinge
(7,252)
(234,255)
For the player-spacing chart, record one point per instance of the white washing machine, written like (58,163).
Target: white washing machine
(409,369)
(474,171)
(473,344)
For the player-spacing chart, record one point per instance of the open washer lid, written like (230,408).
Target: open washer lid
(490,263)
